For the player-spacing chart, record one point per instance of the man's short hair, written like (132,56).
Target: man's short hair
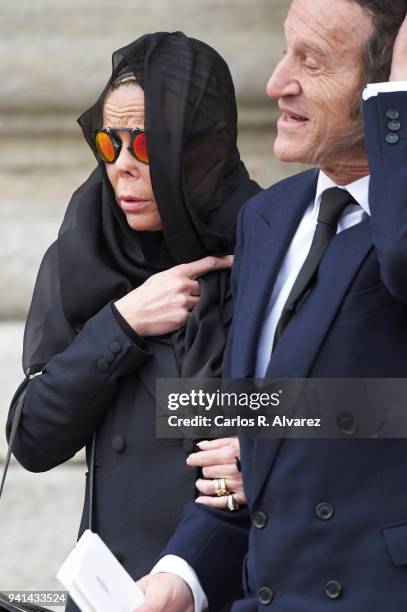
(387,16)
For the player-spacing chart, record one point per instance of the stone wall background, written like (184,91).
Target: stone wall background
(55,56)
(54,60)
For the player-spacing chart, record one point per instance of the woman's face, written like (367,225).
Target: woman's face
(130,178)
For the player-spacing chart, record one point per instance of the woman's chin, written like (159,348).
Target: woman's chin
(144,223)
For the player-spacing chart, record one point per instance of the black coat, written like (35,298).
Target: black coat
(105,382)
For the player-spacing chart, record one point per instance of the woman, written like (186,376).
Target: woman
(117,302)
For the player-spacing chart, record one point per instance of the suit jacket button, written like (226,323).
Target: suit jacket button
(394,126)
(115,347)
(265,596)
(392,113)
(108,356)
(333,589)
(118,444)
(324,511)
(346,423)
(102,365)
(392,138)
(259,519)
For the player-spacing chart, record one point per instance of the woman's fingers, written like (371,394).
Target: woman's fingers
(222,470)
(192,301)
(208,486)
(232,443)
(164,302)
(211,457)
(217,458)
(215,452)
(195,269)
(191,287)
(220,502)
(194,288)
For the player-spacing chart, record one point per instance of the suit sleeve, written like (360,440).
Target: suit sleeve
(65,404)
(386,145)
(214,543)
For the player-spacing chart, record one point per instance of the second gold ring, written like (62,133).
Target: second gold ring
(221,487)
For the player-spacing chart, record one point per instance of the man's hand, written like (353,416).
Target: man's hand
(165,593)
(399,63)
(164,302)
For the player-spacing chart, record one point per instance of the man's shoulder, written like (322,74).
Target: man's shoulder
(284,188)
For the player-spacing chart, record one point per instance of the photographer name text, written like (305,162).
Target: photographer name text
(200,421)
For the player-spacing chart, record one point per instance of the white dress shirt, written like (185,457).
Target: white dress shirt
(297,253)
(292,264)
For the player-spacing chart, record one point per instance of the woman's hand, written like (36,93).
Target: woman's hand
(217,458)
(164,302)
(399,64)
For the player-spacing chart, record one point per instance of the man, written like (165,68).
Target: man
(328,518)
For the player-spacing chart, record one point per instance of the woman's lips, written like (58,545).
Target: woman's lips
(129,204)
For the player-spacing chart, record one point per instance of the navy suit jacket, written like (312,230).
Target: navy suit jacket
(353,556)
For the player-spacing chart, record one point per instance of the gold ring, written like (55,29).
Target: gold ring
(221,488)
(231,503)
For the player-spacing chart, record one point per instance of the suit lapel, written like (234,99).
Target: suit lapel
(271,232)
(307,329)
(303,337)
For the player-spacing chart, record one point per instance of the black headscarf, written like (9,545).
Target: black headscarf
(199,184)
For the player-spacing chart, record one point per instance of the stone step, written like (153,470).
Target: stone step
(39,522)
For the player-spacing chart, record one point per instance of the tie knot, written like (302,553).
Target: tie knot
(333,203)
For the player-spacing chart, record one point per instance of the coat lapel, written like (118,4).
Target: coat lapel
(161,365)
(301,341)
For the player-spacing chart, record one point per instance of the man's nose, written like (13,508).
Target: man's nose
(283,82)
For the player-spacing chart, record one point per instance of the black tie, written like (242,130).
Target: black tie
(333,203)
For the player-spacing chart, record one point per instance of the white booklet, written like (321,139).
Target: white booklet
(95,579)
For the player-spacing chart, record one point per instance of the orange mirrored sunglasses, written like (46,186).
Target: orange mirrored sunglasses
(109,144)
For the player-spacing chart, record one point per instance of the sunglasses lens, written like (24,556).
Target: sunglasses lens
(105,147)
(140,148)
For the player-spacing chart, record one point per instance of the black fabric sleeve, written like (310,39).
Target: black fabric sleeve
(66,403)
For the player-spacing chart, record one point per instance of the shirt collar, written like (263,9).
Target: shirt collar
(359,190)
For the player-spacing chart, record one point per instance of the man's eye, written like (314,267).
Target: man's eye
(311,67)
